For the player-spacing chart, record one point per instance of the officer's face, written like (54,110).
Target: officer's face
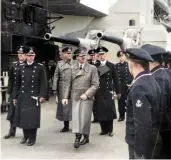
(68,55)
(81,59)
(30,58)
(93,57)
(122,58)
(102,56)
(21,57)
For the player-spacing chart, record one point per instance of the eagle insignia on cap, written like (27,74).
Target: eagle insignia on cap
(69,50)
(21,49)
(101,50)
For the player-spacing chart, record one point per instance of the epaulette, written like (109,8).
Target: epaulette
(15,62)
(40,64)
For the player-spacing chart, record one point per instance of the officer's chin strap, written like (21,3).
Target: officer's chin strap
(37,99)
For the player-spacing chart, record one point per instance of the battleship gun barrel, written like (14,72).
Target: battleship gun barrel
(112,39)
(62,39)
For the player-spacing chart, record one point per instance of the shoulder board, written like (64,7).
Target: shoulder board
(40,64)
(15,62)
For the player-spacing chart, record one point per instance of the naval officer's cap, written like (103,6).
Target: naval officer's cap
(101,50)
(30,51)
(81,51)
(67,49)
(138,54)
(20,50)
(92,52)
(120,53)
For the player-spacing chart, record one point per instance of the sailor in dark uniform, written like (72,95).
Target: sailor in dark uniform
(10,90)
(125,79)
(167,57)
(106,111)
(143,108)
(163,79)
(31,86)
(94,61)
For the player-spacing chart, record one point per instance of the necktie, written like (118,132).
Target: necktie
(80,67)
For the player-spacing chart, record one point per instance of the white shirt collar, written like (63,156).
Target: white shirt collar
(103,62)
(21,61)
(81,64)
(94,61)
(30,63)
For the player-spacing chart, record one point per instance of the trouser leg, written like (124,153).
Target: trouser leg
(26,133)
(12,128)
(104,125)
(66,124)
(121,106)
(110,126)
(33,134)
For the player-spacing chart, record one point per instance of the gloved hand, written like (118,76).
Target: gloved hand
(118,96)
(55,93)
(56,99)
(83,97)
(14,102)
(65,101)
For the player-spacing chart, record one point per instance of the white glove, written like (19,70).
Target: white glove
(83,97)
(56,99)
(65,101)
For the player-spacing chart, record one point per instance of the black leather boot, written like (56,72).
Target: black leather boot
(77,141)
(9,135)
(66,127)
(85,140)
(24,140)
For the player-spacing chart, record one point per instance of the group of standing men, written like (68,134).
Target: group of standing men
(83,86)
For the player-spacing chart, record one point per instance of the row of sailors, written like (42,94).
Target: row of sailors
(81,87)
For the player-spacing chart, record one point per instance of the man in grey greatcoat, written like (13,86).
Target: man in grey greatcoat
(83,84)
(64,112)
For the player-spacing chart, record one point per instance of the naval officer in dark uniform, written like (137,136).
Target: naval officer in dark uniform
(125,79)
(143,108)
(106,111)
(94,61)
(10,90)
(30,91)
(159,73)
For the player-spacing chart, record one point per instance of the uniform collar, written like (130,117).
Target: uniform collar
(122,62)
(29,64)
(103,62)
(157,68)
(142,73)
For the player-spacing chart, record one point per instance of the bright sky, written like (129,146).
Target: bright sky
(100,5)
